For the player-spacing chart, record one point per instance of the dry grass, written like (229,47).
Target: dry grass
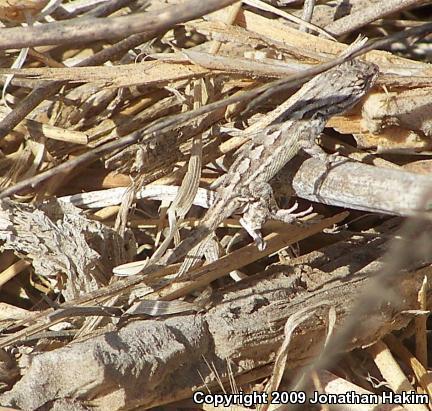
(128,114)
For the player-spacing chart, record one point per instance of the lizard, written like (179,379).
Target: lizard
(245,186)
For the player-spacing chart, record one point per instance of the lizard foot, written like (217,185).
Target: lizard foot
(263,207)
(254,231)
(287,215)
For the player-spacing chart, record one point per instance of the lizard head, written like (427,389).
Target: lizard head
(332,92)
(344,85)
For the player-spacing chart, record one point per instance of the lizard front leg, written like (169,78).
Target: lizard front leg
(311,147)
(261,207)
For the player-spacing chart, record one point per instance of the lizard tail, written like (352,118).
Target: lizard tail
(188,244)
(193,247)
(193,257)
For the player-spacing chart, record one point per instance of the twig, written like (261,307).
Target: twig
(159,126)
(350,184)
(204,275)
(392,372)
(359,186)
(105,9)
(373,45)
(92,29)
(421,347)
(291,17)
(48,89)
(422,376)
(253,336)
(388,270)
(308,9)
(369,14)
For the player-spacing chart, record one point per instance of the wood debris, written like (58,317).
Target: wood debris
(118,121)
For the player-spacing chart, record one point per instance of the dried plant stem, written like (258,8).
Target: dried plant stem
(308,9)
(91,29)
(369,14)
(48,89)
(392,372)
